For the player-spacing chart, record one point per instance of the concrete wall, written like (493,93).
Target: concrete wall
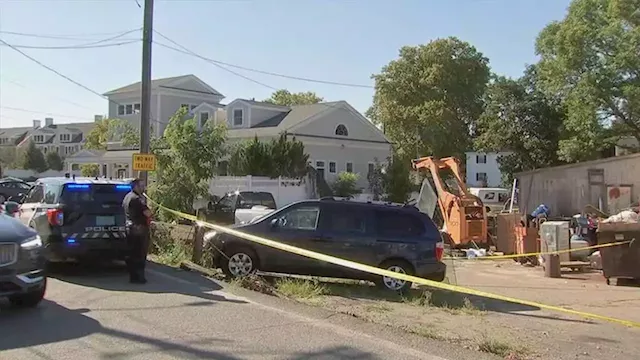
(567,189)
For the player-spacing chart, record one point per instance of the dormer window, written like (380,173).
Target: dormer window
(4,141)
(341,130)
(38,138)
(65,137)
(238,117)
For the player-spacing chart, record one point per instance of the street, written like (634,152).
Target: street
(99,315)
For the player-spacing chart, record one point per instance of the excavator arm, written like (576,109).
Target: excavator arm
(464,215)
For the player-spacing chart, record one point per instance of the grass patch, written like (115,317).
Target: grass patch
(300,289)
(501,348)
(254,283)
(378,308)
(451,302)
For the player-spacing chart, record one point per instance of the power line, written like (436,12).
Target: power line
(74,47)
(64,37)
(45,113)
(217,62)
(189,52)
(90,45)
(53,97)
(66,77)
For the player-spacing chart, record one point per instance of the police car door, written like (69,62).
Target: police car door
(31,204)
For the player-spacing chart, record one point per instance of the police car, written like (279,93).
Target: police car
(78,218)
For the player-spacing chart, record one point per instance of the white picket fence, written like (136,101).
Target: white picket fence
(24,174)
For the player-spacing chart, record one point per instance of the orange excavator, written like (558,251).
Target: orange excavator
(444,197)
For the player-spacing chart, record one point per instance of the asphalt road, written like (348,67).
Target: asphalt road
(97,314)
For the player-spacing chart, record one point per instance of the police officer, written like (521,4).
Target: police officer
(137,226)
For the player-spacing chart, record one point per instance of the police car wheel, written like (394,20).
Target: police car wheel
(239,262)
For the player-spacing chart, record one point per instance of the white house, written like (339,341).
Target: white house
(168,95)
(335,135)
(482,169)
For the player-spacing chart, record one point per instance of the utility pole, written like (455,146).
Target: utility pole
(145,106)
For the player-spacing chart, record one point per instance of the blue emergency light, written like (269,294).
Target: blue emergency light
(71,241)
(77,186)
(123,187)
(86,187)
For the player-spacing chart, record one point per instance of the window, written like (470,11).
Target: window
(345,220)
(65,137)
(204,117)
(120,109)
(481,159)
(320,168)
(341,130)
(129,109)
(184,106)
(51,193)
(302,218)
(332,167)
(38,138)
(227,202)
(189,107)
(350,167)
(397,224)
(482,177)
(4,141)
(238,117)
(136,108)
(371,167)
(35,195)
(193,107)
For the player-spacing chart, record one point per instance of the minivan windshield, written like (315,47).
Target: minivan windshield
(94,193)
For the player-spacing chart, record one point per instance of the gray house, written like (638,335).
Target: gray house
(167,96)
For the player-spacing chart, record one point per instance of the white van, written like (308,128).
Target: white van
(492,198)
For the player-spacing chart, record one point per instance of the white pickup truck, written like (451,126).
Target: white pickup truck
(239,207)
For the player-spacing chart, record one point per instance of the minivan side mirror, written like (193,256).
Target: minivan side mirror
(278,222)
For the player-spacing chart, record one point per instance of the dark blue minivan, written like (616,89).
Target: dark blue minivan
(396,237)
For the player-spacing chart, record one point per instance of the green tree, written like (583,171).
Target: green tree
(89,170)
(278,157)
(346,185)
(429,98)
(186,160)
(590,59)
(32,158)
(519,118)
(109,130)
(397,183)
(8,156)
(286,98)
(288,158)
(54,161)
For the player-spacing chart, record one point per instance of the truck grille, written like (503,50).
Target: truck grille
(8,254)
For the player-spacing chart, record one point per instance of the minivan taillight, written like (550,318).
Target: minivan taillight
(439,250)
(55,217)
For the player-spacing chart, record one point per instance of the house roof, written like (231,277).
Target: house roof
(21,133)
(15,132)
(289,117)
(169,83)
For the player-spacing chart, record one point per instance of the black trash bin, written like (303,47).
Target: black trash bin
(621,261)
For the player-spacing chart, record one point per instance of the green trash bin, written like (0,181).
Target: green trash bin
(620,261)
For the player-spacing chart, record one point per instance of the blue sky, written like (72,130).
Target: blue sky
(335,40)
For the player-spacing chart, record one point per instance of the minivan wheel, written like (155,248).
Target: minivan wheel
(393,284)
(239,262)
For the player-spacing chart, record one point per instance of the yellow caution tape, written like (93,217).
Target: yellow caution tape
(387,273)
(498,257)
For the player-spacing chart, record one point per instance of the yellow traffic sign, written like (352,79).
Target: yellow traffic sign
(144,162)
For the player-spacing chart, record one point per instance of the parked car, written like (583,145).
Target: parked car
(22,276)
(78,218)
(11,188)
(239,207)
(395,237)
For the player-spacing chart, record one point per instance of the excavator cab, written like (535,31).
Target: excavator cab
(445,198)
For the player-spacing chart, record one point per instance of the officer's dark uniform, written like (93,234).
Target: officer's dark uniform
(137,235)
